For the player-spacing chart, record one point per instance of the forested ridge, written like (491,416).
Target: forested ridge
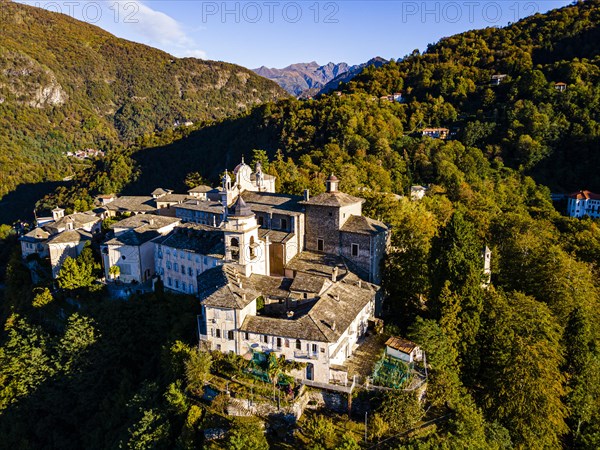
(66,85)
(516,365)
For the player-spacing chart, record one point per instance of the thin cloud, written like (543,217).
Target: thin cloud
(159,29)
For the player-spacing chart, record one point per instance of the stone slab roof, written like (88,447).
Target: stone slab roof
(78,220)
(363,225)
(334,199)
(173,198)
(201,205)
(272,202)
(317,264)
(149,221)
(71,236)
(272,287)
(35,235)
(308,283)
(200,189)
(134,238)
(279,237)
(200,239)
(225,287)
(132,203)
(328,318)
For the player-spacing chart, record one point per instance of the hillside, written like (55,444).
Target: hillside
(66,85)
(525,121)
(300,77)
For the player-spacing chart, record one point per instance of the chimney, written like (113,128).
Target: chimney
(333,326)
(306,195)
(359,283)
(151,221)
(334,274)
(244,296)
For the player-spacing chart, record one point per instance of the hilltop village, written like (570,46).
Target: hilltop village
(295,275)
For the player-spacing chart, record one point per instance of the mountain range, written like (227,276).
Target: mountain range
(309,79)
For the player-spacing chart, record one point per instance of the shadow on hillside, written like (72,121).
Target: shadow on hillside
(209,151)
(19,204)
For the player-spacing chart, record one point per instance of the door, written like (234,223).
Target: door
(276,259)
(310,371)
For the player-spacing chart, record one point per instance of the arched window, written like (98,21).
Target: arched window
(252,250)
(298,344)
(235,242)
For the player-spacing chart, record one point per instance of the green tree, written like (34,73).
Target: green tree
(42,298)
(73,275)
(194,179)
(197,371)
(247,435)
(401,410)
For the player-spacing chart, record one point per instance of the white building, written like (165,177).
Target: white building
(584,203)
(321,330)
(66,244)
(131,248)
(403,349)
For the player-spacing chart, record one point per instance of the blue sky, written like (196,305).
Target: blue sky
(278,33)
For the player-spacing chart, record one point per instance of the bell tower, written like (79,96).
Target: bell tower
(242,244)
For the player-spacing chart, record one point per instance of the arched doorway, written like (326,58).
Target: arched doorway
(310,371)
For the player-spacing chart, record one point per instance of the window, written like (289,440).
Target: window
(230,335)
(246,336)
(176,267)
(174,253)
(159,254)
(190,271)
(218,333)
(320,245)
(314,348)
(354,249)
(278,342)
(298,344)
(305,295)
(265,339)
(169,281)
(177,284)
(287,343)
(284,224)
(183,287)
(169,265)
(183,269)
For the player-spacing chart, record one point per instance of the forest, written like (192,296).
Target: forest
(514,365)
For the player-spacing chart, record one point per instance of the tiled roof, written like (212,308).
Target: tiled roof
(78,220)
(584,195)
(173,198)
(159,191)
(363,225)
(401,344)
(336,199)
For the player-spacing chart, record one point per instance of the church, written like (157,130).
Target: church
(295,275)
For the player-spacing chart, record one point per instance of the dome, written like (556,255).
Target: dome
(240,166)
(241,209)
(332,177)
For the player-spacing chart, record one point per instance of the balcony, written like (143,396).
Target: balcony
(305,355)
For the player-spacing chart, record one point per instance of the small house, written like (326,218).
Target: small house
(497,79)
(436,133)
(560,86)
(403,349)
